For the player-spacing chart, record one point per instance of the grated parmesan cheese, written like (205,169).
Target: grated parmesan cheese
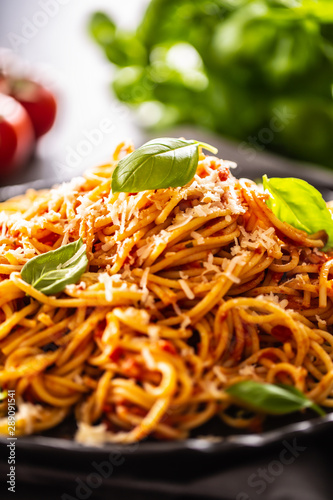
(106,279)
(197,236)
(210,267)
(238,260)
(321,322)
(144,278)
(148,358)
(259,237)
(220,375)
(177,309)
(274,298)
(248,371)
(186,288)
(28,412)
(91,435)
(154,332)
(186,321)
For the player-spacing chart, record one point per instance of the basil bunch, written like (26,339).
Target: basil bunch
(231,66)
(52,271)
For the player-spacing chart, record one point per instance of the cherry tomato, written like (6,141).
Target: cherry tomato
(17,137)
(39,103)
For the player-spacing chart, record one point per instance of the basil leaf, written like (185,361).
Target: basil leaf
(102,28)
(160,163)
(3,395)
(270,398)
(52,271)
(297,202)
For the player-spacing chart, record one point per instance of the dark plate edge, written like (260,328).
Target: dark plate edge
(200,445)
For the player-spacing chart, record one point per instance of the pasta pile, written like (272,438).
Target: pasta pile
(189,290)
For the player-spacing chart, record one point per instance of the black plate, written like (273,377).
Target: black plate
(213,437)
(162,466)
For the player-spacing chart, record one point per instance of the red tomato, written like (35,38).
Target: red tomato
(38,102)
(16,135)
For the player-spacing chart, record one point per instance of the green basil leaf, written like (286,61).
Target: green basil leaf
(3,395)
(102,28)
(52,271)
(270,398)
(160,163)
(301,205)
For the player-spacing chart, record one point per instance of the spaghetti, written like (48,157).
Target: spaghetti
(189,290)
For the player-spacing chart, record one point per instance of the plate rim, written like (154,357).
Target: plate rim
(200,445)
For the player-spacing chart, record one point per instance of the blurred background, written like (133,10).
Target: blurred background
(253,77)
